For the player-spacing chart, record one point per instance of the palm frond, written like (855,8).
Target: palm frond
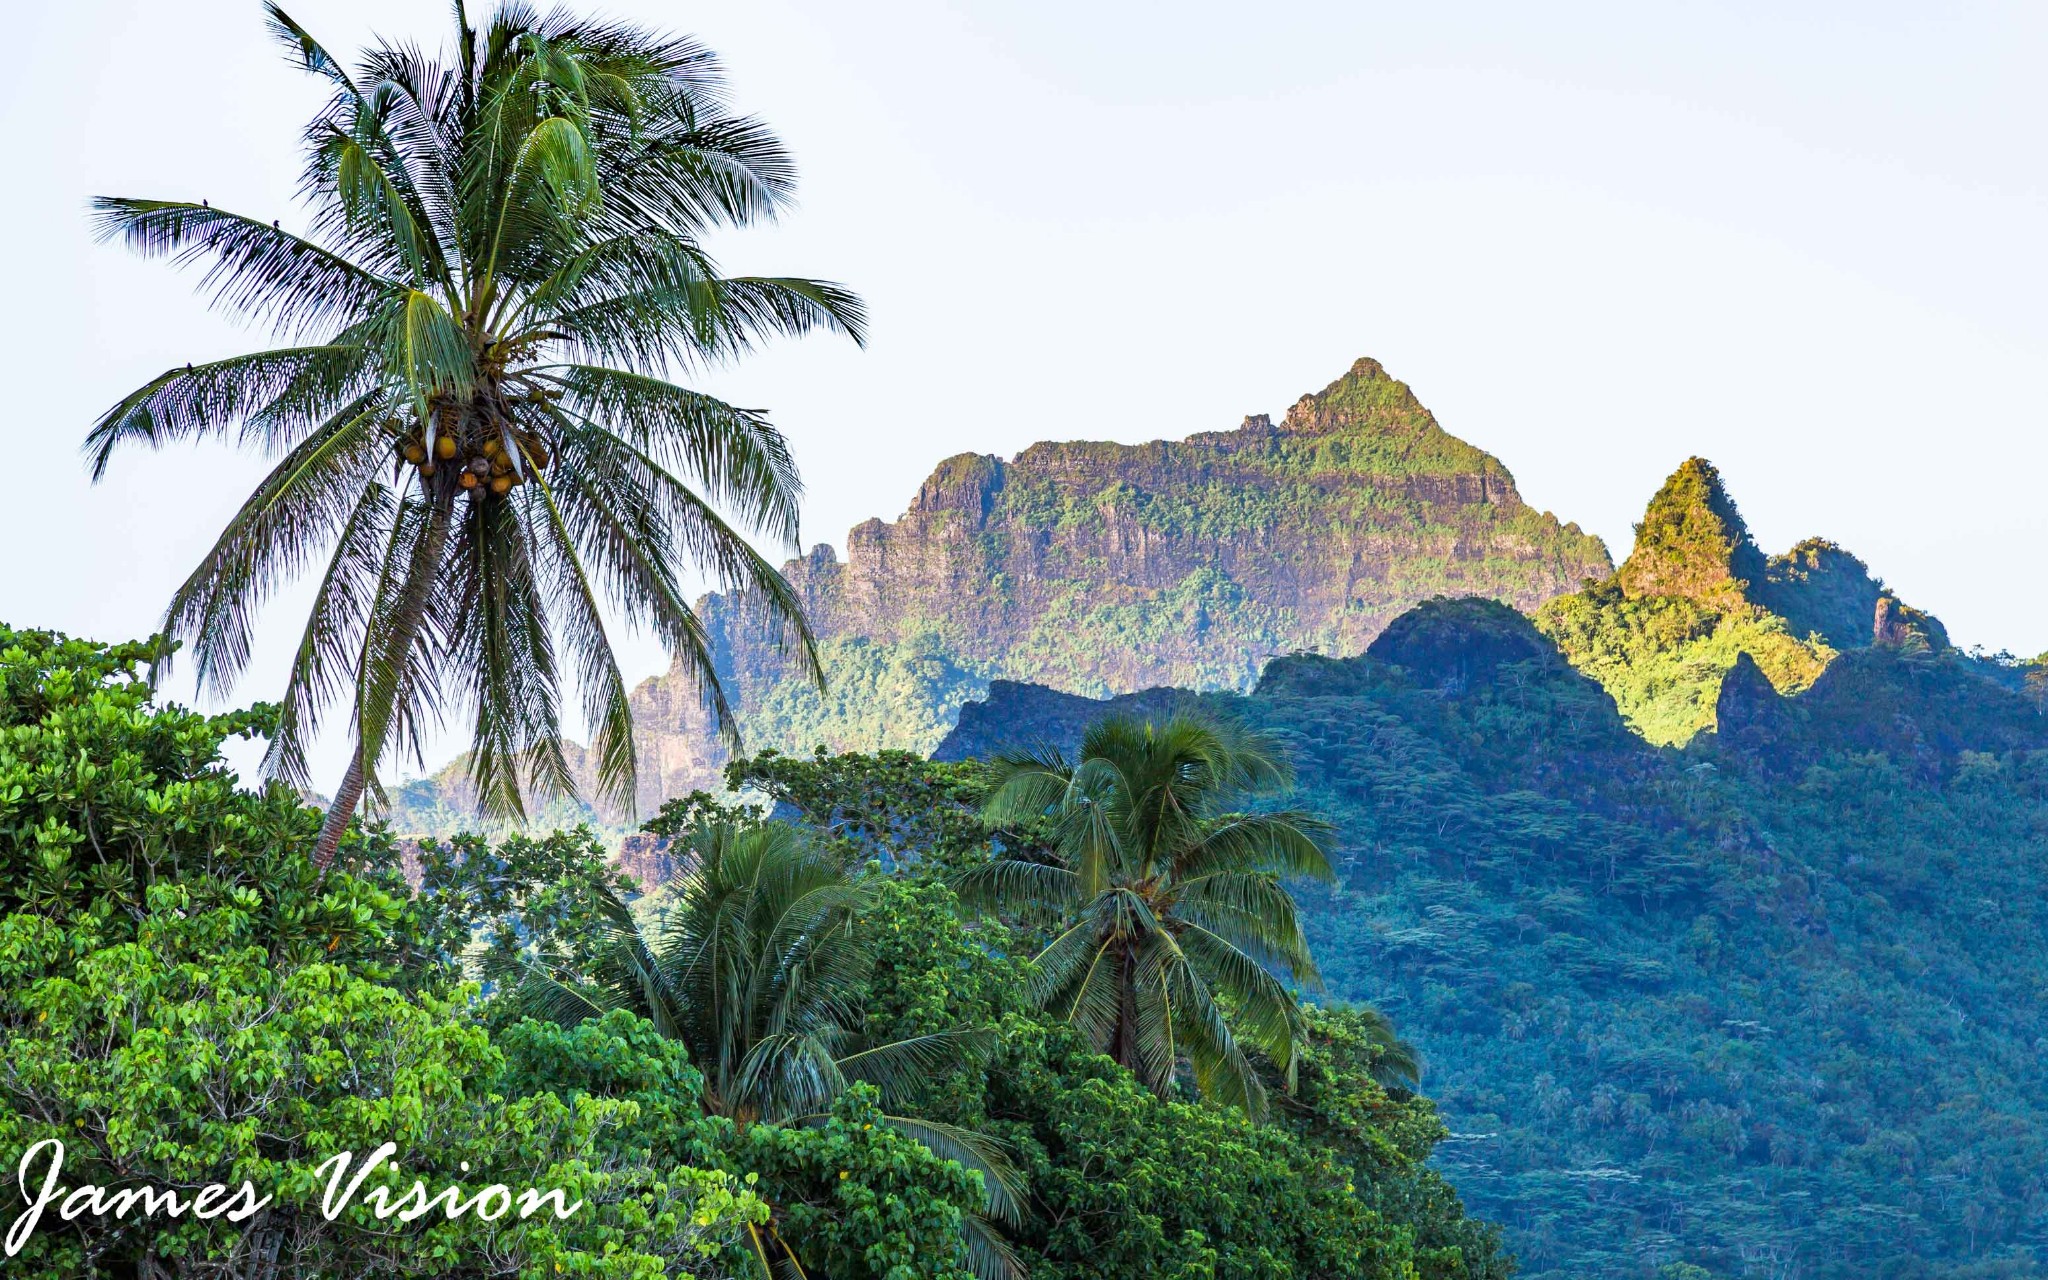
(500,642)
(606,710)
(899,1067)
(1266,1012)
(989,1255)
(395,691)
(256,270)
(1289,843)
(1002,1184)
(785,306)
(210,400)
(1035,890)
(734,455)
(323,666)
(298,511)
(1254,911)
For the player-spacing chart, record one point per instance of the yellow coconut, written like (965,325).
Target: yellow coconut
(444,447)
(499,484)
(469,480)
(415,452)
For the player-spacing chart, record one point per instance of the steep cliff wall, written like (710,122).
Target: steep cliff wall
(1105,568)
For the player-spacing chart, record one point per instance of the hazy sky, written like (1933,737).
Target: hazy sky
(1594,238)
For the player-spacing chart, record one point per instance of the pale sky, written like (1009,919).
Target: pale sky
(1595,238)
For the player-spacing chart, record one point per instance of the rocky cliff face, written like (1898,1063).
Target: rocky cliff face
(1104,568)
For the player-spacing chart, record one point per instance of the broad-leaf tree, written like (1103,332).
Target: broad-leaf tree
(477,442)
(1172,912)
(756,964)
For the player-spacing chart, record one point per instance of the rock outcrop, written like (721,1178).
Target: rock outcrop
(1750,715)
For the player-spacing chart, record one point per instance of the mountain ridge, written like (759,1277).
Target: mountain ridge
(1103,567)
(1696,593)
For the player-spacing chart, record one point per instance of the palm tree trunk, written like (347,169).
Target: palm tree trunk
(1125,1050)
(407,623)
(346,797)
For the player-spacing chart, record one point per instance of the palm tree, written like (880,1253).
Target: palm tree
(756,968)
(1172,911)
(1396,1063)
(475,431)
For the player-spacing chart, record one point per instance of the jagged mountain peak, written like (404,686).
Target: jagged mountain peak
(1367,401)
(1696,598)
(1366,389)
(1692,541)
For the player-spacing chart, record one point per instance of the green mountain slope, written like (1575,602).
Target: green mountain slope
(1695,592)
(1773,1004)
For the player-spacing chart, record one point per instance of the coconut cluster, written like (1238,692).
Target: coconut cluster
(485,464)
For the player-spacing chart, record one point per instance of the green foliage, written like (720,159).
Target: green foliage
(1661,658)
(491,904)
(861,1199)
(1198,1193)
(878,695)
(236,1016)
(1166,905)
(885,805)
(184,1058)
(755,961)
(184,1001)
(852,1196)
(1125,1182)
(100,794)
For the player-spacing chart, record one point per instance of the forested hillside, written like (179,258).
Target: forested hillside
(1769,1005)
